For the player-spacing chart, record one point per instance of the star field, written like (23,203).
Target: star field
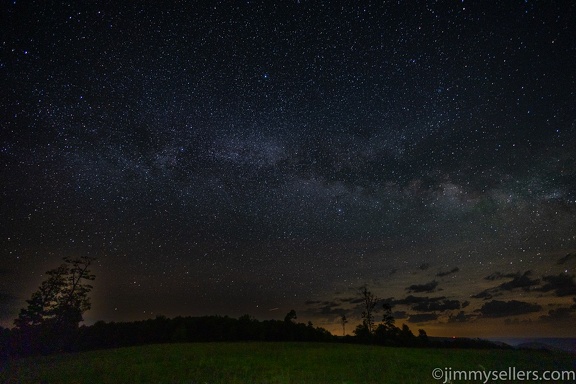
(237,157)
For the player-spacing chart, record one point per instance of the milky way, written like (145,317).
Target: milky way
(237,157)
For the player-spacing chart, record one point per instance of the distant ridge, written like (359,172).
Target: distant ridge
(544,343)
(539,346)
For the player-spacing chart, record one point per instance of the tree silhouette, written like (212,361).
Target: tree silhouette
(290,316)
(422,336)
(343,321)
(406,334)
(55,309)
(388,318)
(369,302)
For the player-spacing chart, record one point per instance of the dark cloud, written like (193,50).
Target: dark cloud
(446,273)
(399,315)
(422,317)
(465,304)
(428,287)
(499,275)
(443,305)
(427,304)
(519,281)
(461,317)
(348,299)
(485,294)
(331,310)
(560,314)
(410,299)
(496,308)
(568,257)
(562,284)
(326,307)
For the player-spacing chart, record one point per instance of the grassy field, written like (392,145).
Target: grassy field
(270,363)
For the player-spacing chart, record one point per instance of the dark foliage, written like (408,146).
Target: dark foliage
(369,302)
(49,323)
(164,330)
(104,335)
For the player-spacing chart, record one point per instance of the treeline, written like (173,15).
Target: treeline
(197,329)
(15,343)
(24,342)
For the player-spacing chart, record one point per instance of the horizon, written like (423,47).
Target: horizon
(337,330)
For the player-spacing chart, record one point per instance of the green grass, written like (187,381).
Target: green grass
(263,363)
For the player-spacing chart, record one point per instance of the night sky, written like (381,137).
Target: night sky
(240,157)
